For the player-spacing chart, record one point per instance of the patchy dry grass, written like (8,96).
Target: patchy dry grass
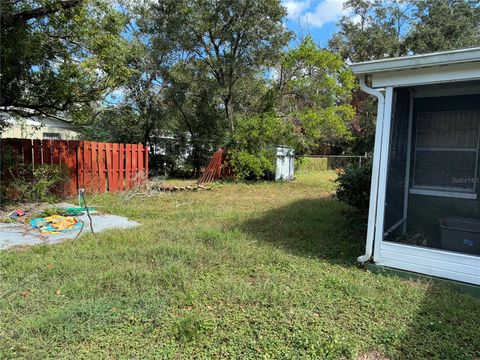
(258,270)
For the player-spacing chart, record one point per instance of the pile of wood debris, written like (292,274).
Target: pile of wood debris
(165,188)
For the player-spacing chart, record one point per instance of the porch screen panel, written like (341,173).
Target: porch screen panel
(446,150)
(443,207)
(397,162)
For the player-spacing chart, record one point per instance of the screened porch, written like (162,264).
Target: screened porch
(432,184)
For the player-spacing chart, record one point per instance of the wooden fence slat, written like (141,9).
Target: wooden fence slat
(80,165)
(128,165)
(86,163)
(115,167)
(108,156)
(121,167)
(27,151)
(63,148)
(56,144)
(95,178)
(37,152)
(146,162)
(72,164)
(141,169)
(16,147)
(101,166)
(134,164)
(47,152)
(63,157)
(5,153)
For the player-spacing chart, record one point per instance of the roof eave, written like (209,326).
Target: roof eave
(417,61)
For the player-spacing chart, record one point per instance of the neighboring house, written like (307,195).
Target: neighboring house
(40,127)
(424,203)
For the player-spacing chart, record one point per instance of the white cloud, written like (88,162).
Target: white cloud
(327,11)
(296,8)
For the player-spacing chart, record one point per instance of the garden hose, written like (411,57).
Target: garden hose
(81,195)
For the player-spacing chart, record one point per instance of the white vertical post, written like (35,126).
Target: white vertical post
(383,171)
(372,210)
(409,152)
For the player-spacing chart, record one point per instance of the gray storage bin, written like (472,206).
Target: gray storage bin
(461,235)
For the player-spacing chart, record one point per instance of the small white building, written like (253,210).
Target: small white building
(40,127)
(284,164)
(424,212)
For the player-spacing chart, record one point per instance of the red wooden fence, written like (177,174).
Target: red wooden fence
(95,166)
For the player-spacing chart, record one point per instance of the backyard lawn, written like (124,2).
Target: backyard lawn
(264,270)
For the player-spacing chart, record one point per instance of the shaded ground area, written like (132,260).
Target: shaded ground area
(438,328)
(243,271)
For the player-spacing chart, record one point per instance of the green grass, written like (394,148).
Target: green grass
(309,164)
(242,271)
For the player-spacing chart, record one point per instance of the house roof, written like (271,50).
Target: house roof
(418,61)
(39,120)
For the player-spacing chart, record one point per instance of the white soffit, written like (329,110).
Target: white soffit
(455,65)
(430,75)
(417,61)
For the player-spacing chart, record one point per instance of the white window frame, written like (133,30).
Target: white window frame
(47,136)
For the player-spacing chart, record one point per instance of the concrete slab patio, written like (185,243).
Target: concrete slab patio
(19,234)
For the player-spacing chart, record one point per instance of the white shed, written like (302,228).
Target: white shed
(424,212)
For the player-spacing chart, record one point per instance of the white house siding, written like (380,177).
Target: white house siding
(41,128)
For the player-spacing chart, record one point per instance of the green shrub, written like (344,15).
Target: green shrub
(248,153)
(252,166)
(42,183)
(354,186)
(312,164)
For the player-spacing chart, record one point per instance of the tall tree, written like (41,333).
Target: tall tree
(314,87)
(390,28)
(376,30)
(196,119)
(60,55)
(443,25)
(231,38)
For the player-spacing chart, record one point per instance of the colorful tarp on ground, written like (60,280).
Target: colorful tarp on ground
(56,224)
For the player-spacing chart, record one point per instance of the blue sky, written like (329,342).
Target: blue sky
(314,17)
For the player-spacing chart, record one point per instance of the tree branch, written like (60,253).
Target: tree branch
(24,16)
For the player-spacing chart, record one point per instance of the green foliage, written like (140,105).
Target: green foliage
(378,30)
(309,164)
(196,120)
(43,183)
(250,154)
(314,92)
(382,29)
(259,131)
(60,55)
(441,25)
(231,40)
(252,166)
(354,186)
